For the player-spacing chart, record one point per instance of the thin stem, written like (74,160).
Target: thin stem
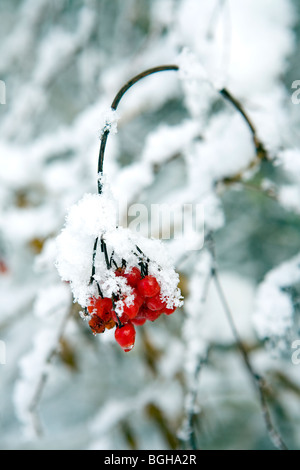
(38,391)
(115,104)
(104,250)
(94,257)
(130,83)
(120,324)
(260,150)
(201,360)
(257,379)
(192,398)
(99,290)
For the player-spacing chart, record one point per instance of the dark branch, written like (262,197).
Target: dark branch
(115,104)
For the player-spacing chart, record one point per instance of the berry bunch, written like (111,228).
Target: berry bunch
(119,278)
(124,313)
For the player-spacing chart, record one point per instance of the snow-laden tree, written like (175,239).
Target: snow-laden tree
(217,130)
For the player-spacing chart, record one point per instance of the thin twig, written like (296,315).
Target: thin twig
(37,394)
(192,394)
(93,261)
(260,149)
(258,381)
(104,250)
(192,397)
(115,104)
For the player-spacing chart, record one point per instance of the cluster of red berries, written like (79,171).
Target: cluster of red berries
(147,304)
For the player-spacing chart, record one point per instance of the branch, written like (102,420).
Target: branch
(37,393)
(187,432)
(261,152)
(115,104)
(258,381)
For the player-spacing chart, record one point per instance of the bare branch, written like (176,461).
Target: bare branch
(37,393)
(258,381)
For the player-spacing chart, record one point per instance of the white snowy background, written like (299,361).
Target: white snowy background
(178,140)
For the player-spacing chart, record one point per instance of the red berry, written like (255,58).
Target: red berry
(133,276)
(125,336)
(156,303)
(96,324)
(105,309)
(132,310)
(148,286)
(140,319)
(101,307)
(150,314)
(154,315)
(168,311)
(123,318)
(92,305)
(110,324)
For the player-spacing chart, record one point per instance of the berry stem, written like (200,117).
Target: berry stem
(104,250)
(94,257)
(99,290)
(143,264)
(120,324)
(112,261)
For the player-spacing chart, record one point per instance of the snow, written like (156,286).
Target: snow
(167,141)
(95,217)
(289,197)
(173,141)
(273,315)
(289,160)
(109,122)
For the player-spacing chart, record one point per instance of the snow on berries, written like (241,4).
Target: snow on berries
(120,279)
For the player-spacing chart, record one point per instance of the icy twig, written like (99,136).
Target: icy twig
(38,391)
(261,152)
(200,358)
(187,433)
(258,381)
(114,107)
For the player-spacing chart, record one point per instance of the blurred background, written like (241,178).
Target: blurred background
(185,384)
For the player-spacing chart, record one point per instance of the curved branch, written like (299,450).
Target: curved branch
(258,381)
(260,149)
(115,104)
